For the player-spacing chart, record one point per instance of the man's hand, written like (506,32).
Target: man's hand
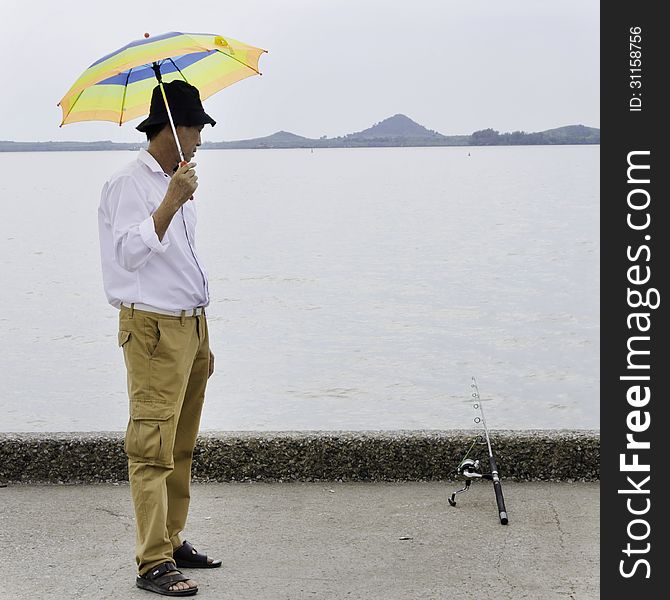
(182,185)
(211,364)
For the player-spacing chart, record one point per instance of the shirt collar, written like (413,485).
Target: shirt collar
(146,158)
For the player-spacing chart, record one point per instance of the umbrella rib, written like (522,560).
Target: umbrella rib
(71,107)
(178,69)
(239,61)
(123,101)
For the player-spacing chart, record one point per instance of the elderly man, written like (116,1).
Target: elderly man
(152,273)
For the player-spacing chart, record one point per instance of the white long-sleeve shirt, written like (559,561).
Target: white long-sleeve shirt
(136,265)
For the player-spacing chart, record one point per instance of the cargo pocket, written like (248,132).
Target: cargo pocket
(124,336)
(150,433)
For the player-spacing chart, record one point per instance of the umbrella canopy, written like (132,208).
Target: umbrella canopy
(118,86)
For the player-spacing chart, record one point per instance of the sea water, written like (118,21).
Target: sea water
(351,289)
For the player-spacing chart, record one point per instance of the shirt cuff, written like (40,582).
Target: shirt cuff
(149,237)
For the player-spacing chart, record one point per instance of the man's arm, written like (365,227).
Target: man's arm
(138,235)
(182,185)
(123,206)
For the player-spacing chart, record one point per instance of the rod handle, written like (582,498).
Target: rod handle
(502,511)
(497,488)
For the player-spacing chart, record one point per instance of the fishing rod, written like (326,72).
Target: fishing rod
(469,468)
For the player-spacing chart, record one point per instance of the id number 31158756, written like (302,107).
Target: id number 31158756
(635,68)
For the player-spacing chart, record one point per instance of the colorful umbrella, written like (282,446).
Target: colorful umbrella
(118,86)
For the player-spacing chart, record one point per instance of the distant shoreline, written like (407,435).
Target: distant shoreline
(398,131)
(113,146)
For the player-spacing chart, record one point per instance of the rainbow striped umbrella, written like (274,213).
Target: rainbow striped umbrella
(118,86)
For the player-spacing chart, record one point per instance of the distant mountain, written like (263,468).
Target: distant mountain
(396,126)
(571,132)
(283,136)
(396,131)
(280,139)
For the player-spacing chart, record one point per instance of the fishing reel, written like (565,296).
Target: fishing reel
(468,470)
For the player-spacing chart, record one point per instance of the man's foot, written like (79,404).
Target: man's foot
(189,584)
(167,580)
(187,557)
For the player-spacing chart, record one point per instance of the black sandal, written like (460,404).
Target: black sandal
(161,578)
(187,557)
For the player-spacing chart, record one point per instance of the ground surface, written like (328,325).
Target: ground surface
(330,541)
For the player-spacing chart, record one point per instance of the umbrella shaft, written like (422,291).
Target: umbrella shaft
(157,72)
(174,130)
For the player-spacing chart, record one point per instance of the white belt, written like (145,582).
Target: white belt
(189,312)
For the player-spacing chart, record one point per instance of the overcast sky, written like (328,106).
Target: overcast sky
(334,66)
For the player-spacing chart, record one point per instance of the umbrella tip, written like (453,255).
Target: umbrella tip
(146,35)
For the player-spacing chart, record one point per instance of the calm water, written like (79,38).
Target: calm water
(351,289)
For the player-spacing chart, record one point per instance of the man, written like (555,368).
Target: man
(153,275)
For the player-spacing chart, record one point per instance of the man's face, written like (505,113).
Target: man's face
(189,138)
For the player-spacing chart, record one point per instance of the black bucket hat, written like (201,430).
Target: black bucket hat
(185,106)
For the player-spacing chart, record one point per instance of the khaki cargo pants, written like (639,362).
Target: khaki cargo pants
(167,360)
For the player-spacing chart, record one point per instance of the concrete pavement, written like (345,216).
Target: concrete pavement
(324,541)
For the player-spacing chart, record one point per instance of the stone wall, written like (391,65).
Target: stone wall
(542,455)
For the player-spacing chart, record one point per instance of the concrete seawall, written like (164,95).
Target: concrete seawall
(535,455)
